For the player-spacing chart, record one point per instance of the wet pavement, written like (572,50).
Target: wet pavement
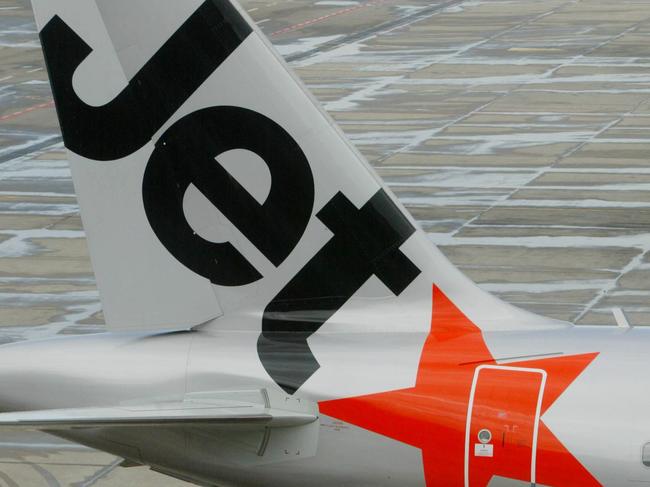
(514,130)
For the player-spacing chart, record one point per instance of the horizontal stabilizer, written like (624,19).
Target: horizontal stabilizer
(205,409)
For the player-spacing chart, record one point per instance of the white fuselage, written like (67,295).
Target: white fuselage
(602,418)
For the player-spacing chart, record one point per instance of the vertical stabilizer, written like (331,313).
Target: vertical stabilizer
(210,182)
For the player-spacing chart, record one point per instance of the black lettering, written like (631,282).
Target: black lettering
(186,154)
(171,76)
(366,241)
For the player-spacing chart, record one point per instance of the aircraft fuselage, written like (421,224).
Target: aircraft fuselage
(590,428)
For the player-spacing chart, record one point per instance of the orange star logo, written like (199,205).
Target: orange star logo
(434,413)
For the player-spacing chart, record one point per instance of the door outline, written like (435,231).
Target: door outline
(538,411)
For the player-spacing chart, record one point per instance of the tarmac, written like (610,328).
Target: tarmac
(514,130)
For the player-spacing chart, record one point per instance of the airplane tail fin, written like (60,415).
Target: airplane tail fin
(210,182)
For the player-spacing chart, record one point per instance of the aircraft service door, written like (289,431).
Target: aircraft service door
(502,425)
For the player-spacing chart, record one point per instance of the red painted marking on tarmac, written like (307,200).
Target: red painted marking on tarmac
(291,28)
(40,106)
(326,17)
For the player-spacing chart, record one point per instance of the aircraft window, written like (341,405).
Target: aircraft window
(646,455)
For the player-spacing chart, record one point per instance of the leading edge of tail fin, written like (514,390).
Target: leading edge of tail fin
(211,183)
